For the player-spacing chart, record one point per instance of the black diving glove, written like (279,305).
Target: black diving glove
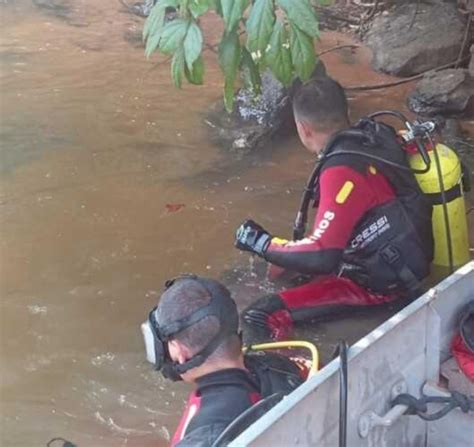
(250,236)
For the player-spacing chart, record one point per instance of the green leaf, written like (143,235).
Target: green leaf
(153,27)
(229,95)
(232,11)
(302,53)
(152,44)
(278,56)
(301,14)
(177,67)
(229,60)
(192,44)
(229,54)
(155,19)
(154,22)
(217,6)
(196,74)
(199,7)
(173,35)
(250,73)
(259,27)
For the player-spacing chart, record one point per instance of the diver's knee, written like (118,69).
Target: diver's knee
(268,303)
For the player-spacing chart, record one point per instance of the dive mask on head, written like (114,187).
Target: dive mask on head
(157,336)
(156,347)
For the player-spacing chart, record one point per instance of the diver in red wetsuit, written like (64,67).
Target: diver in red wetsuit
(372,239)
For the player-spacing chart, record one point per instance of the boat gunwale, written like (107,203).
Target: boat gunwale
(311,385)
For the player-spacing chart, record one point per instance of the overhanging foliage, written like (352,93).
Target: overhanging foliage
(258,34)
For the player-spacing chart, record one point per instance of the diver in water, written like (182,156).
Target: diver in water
(371,241)
(192,335)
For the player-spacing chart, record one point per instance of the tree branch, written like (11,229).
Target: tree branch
(400,81)
(338,47)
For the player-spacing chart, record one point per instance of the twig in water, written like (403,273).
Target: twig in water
(400,81)
(338,47)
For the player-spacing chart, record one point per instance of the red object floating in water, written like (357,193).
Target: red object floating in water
(173,207)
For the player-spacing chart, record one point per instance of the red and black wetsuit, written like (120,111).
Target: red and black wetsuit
(368,213)
(219,398)
(222,396)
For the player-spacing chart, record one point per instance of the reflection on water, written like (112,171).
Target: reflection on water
(108,186)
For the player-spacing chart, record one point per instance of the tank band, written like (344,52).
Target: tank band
(451,194)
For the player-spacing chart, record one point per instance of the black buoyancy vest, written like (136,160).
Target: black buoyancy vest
(273,373)
(274,376)
(391,248)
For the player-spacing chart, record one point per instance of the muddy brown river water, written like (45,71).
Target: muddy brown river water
(108,186)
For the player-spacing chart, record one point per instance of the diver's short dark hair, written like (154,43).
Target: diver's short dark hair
(322,103)
(181,300)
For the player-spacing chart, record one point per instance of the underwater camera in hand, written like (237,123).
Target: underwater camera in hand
(437,169)
(157,335)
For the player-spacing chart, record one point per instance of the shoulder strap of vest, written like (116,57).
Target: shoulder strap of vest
(368,139)
(274,372)
(377,145)
(329,154)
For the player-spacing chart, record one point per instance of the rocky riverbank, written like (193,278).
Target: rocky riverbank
(430,42)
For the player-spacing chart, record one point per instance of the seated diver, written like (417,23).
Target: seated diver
(192,335)
(371,241)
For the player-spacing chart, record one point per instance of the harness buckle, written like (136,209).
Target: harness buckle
(390,254)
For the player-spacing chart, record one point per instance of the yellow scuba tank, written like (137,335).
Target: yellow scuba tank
(451,171)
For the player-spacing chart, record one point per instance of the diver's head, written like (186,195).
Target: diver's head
(194,329)
(320,109)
